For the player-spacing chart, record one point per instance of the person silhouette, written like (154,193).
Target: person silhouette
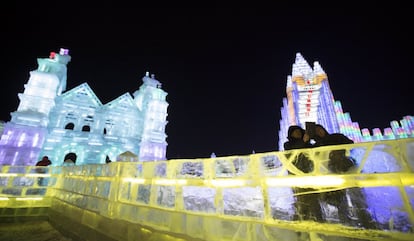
(307,203)
(350,202)
(107,159)
(42,163)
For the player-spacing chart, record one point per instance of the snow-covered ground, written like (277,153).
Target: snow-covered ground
(30,231)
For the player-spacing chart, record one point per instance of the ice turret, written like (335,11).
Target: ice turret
(151,101)
(44,84)
(23,137)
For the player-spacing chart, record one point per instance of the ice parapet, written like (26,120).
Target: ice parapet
(245,201)
(199,199)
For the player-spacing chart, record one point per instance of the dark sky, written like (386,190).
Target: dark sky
(224,68)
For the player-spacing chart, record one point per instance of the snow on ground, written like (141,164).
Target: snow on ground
(30,231)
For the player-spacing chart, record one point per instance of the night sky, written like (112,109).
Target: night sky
(224,68)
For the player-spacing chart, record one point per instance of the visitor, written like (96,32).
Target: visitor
(307,199)
(350,202)
(338,161)
(107,159)
(42,163)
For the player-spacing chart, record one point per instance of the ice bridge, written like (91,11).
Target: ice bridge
(224,198)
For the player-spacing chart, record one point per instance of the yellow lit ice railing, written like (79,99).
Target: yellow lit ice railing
(25,186)
(262,188)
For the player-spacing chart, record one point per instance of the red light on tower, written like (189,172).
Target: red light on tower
(52,55)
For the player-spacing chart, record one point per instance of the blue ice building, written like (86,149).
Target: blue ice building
(56,122)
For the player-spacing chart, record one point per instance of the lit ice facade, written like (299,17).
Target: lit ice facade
(309,98)
(54,122)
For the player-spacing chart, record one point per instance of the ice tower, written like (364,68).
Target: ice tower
(23,136)
(309,98)
(150,99)
(57,123)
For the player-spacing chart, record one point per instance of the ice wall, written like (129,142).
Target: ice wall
(220,198)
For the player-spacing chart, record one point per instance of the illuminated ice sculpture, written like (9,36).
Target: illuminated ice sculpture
(309,98)
(54,122)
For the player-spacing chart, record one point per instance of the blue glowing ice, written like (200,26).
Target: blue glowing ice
(53,122)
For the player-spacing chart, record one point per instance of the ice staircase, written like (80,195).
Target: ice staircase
(216,199)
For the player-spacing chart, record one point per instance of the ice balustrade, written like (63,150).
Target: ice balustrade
(222,198)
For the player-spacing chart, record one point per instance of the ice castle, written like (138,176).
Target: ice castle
(56,122)
(246,198)
(309,99)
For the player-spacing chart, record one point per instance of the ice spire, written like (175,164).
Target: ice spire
(301,66)
(317,69)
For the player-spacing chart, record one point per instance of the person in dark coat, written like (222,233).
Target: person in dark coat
(307,205)
(338,161)
(107,159)
(355,214)
(43,162)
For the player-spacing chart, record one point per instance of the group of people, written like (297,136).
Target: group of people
(350,203)
(299,138)
(70,160)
